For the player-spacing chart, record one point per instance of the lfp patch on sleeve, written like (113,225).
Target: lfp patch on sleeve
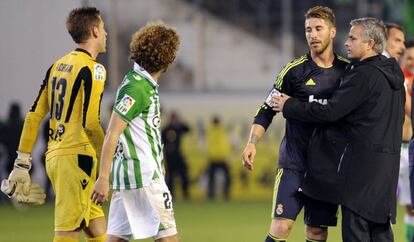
(99,72)
(125,104)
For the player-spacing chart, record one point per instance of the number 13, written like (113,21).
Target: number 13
(60,88)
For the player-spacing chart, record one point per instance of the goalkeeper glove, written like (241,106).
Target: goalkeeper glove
(36,194)
(20,173)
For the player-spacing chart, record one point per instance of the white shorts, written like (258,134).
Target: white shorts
(143,213)
(403,179)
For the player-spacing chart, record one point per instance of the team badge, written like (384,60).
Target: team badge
(99,72)
(279,209)
(125,104)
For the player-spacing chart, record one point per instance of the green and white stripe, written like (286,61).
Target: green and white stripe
(139,155)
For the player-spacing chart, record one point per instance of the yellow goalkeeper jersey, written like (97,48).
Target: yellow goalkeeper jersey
(70,95)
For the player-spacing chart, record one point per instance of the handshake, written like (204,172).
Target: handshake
(18,186)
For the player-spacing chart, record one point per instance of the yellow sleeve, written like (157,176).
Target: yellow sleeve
(94,86)
(34,117)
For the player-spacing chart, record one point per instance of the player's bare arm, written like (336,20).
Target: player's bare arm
(256,133)
(115,128)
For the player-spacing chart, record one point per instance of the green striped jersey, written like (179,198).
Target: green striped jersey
(138,156)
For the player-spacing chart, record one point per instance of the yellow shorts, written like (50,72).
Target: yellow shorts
(73,178)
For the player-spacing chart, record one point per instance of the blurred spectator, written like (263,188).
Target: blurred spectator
(13,128)
(176,163)
(218,152)
(3,157)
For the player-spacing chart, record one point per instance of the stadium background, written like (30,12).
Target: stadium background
(231,52)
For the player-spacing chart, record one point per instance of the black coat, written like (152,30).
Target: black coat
(353,159)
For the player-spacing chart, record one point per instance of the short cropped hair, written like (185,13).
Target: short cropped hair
(321,12)
(154,46)
(373,29)
(390,26)
(80,21)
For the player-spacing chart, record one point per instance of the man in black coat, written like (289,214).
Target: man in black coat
(354,159)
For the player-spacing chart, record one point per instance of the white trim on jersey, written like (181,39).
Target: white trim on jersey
(141,70)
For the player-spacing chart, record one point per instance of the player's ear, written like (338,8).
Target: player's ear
(95,31)
(333,32)
(370,44)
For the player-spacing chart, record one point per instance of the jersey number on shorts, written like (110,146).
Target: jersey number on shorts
(58,102)
(167,201)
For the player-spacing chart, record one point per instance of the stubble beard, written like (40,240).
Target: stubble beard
(323,48)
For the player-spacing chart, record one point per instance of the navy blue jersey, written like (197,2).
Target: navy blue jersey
(306,81)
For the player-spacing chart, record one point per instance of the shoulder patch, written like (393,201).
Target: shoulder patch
(125,104)
(99,72)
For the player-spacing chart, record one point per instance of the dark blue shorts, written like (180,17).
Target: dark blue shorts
(288,201)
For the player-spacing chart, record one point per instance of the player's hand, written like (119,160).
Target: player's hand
(278,102)
(100,191)
(20,173)
(36,194)
(248,156)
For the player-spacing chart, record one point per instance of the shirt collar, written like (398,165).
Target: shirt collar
(335,60)
(84,51)
(142,71)
(386,54)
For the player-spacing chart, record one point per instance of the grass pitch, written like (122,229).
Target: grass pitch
(234,221)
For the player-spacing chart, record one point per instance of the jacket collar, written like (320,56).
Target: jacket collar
(369,59)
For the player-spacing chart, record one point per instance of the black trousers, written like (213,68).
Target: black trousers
(358,229)
(214,167)
(177,167)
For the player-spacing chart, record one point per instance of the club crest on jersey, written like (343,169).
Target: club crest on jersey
(125,104)
(98,72)
(279,209)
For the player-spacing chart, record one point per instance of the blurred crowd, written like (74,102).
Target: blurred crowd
(201,156)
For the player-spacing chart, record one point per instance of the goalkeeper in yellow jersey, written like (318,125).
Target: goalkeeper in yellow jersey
(70,96)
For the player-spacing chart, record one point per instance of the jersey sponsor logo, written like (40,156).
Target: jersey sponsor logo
(99,72)
(57,135)
(125,104)
(310,82)
(156,121)
(321,100)
(272,93)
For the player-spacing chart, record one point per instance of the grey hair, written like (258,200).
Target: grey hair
(373,29)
